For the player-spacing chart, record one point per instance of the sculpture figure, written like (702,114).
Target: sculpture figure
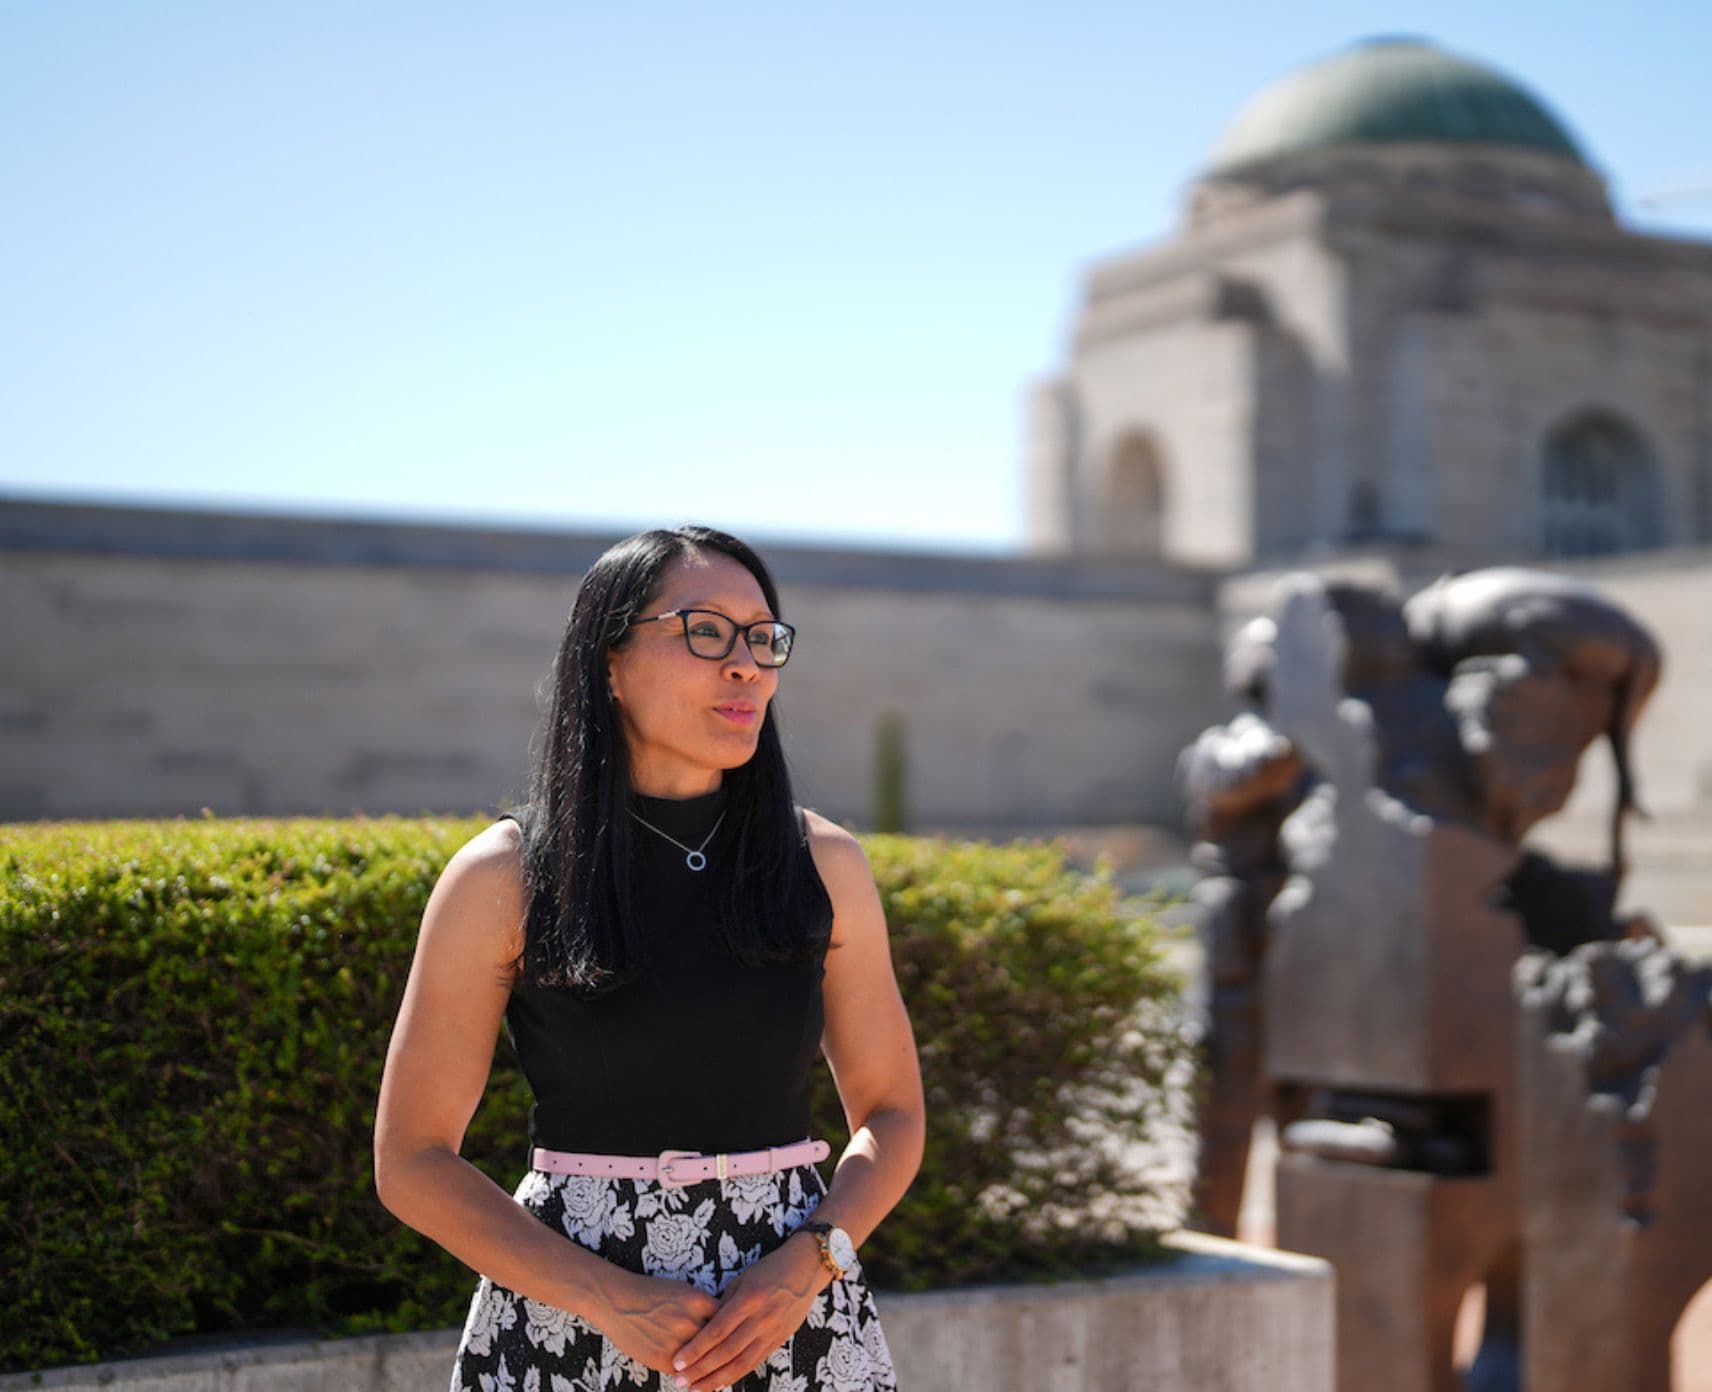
(1367,897)
(1616,1122)
(1539,666)
(1243,780)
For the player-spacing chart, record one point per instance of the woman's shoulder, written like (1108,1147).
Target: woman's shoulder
(838,855)
(495,849)
(485,877)
(823,832)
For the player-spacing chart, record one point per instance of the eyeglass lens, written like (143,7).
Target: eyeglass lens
(712,635)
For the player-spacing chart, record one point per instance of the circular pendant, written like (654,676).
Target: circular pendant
(696,860)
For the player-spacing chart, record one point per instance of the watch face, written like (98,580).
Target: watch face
(842,1248)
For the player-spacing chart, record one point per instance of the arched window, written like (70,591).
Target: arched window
(1131,521)
(1599,489)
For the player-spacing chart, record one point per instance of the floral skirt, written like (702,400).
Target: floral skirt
(703,1233)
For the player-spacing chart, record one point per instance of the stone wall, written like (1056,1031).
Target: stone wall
(163,661)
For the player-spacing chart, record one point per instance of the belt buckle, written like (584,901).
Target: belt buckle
(663,1167)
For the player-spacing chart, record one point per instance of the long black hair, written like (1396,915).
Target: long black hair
(579,932)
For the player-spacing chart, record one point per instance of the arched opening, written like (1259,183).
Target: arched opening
(1132,520)
(1598,489)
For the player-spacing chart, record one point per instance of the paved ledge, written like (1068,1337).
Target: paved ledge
(376,1363)
(1222,1317)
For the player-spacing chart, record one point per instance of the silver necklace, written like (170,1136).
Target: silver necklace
(693,854)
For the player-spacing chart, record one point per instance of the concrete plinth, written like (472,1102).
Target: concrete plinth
(1222,1317)
(1407,1247)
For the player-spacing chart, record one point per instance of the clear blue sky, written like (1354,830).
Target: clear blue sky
(785,268)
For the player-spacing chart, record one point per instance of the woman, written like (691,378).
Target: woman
(669,942)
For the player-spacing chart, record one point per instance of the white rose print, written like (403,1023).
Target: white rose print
(705,1234)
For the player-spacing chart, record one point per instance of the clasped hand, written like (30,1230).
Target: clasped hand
(702,1342)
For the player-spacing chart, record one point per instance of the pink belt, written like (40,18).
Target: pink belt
(676,1168)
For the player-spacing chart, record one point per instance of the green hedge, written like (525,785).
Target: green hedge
(194,1015)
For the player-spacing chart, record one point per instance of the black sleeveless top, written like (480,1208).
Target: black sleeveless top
(699,1053)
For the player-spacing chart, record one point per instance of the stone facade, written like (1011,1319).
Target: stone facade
(164,661)
(1405,341)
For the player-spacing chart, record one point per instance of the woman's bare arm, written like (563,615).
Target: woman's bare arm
(868,1044)
(436,1069)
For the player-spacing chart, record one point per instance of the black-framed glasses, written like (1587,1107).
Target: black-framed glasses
(711,635)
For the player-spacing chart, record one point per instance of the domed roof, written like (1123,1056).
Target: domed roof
(1385,90)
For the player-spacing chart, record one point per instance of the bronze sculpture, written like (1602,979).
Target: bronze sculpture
(1367,899)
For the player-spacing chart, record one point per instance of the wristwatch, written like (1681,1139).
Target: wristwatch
(837,1251)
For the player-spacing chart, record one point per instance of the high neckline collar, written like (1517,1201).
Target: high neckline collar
(688,819)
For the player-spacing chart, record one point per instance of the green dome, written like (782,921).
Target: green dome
(1386,90)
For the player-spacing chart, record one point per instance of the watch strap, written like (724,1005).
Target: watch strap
(822,1233)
